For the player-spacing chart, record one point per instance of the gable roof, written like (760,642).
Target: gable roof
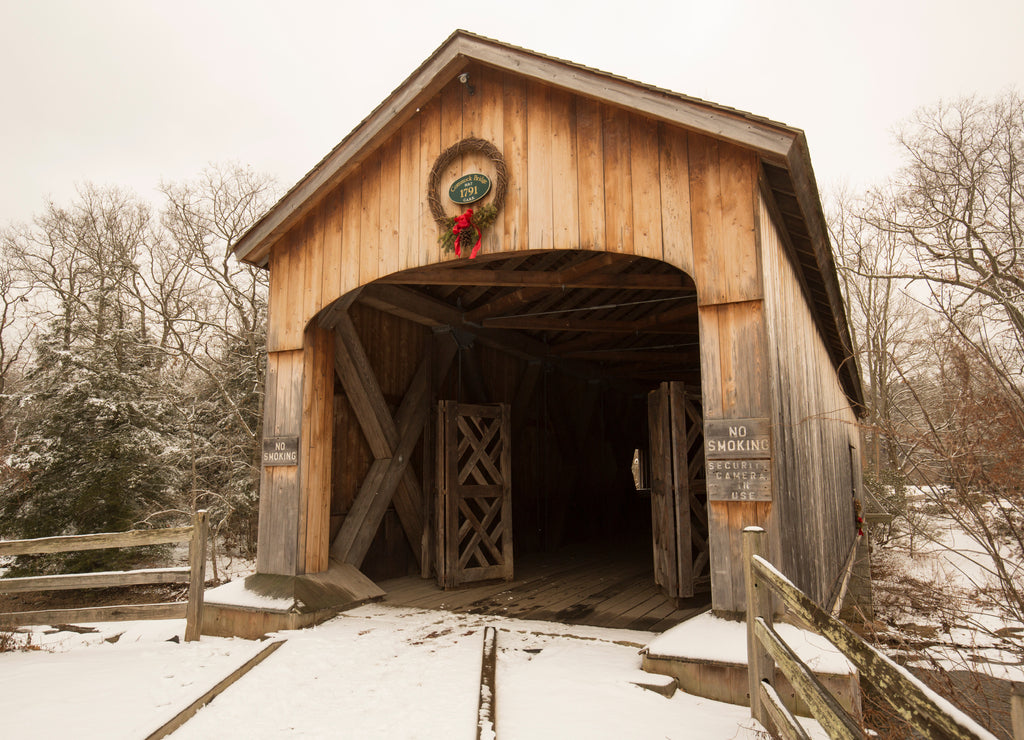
(774,142)
(789,179)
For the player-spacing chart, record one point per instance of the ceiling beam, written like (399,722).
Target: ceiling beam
(523,279)
(511,302)
(423,309)
(551,323)
(640,355)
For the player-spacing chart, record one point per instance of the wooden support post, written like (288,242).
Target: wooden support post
(1017,710)
(760,666)
(315,446)
(277,550)
(197,573)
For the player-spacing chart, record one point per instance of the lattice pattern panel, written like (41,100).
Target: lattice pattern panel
(479,451)
(481,529)
(474,493)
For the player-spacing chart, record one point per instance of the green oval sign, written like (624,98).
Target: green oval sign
(469,188)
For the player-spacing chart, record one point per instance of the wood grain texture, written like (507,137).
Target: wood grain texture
(333,251)
(590,174)
(75,543)
(662,515)
(734,370)
(645,181)
(351,224)
(277,546)
(679,427)
(565,201)
(814,429)
(312,250)
(515,132)
(430,148)
(391,201)
(410,194)
(538,182)
(774,142)
(369,220)
(602,179)
(315,449)
(93,580)
(674,174)
(197,576)
(618,184)
(130,612)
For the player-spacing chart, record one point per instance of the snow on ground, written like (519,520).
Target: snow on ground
(941,593)
(85,687)
(373,672)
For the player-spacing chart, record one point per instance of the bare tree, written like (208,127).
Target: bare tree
(204,219)
(960,214)
(951,229)
(155,322)
(13,329)
(885,322)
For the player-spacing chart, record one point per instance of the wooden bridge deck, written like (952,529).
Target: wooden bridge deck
(578,586)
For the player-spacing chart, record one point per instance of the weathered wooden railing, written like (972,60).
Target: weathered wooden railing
(926,711)
(193,575)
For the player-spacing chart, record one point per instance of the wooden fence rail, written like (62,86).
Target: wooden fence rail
(194,575)
(930,714)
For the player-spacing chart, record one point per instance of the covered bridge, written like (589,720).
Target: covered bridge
(649,346)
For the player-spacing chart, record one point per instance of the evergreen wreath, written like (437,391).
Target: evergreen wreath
(454,231)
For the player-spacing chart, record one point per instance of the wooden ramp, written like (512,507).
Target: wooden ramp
(584,585)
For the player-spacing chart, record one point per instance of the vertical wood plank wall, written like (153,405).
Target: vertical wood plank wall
(279,504)
(602,179)
(315,450)
(813,430)
(733,338)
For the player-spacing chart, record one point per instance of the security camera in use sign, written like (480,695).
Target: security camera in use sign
(737,459)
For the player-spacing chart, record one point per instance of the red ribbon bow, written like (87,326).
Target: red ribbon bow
(465,223)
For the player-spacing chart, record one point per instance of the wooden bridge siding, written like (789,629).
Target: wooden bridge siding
(733,336)
(294,500)
(813,429)
(277,545)
(315,451)
(607,180)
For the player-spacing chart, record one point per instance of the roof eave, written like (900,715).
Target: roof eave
(806,186)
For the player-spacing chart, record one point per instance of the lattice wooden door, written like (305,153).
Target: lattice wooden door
(678,491)
(474,504)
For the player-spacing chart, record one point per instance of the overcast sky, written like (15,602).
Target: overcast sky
(131,92)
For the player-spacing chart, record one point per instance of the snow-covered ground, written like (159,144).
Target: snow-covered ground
(374,672)
(942,598)
(395,672)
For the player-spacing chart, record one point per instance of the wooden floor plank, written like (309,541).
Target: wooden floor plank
(592,585)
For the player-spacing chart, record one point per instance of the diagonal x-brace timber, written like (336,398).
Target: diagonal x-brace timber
(391,441)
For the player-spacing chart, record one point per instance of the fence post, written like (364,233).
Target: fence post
(760,666)
(1017,710)
(197,577)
